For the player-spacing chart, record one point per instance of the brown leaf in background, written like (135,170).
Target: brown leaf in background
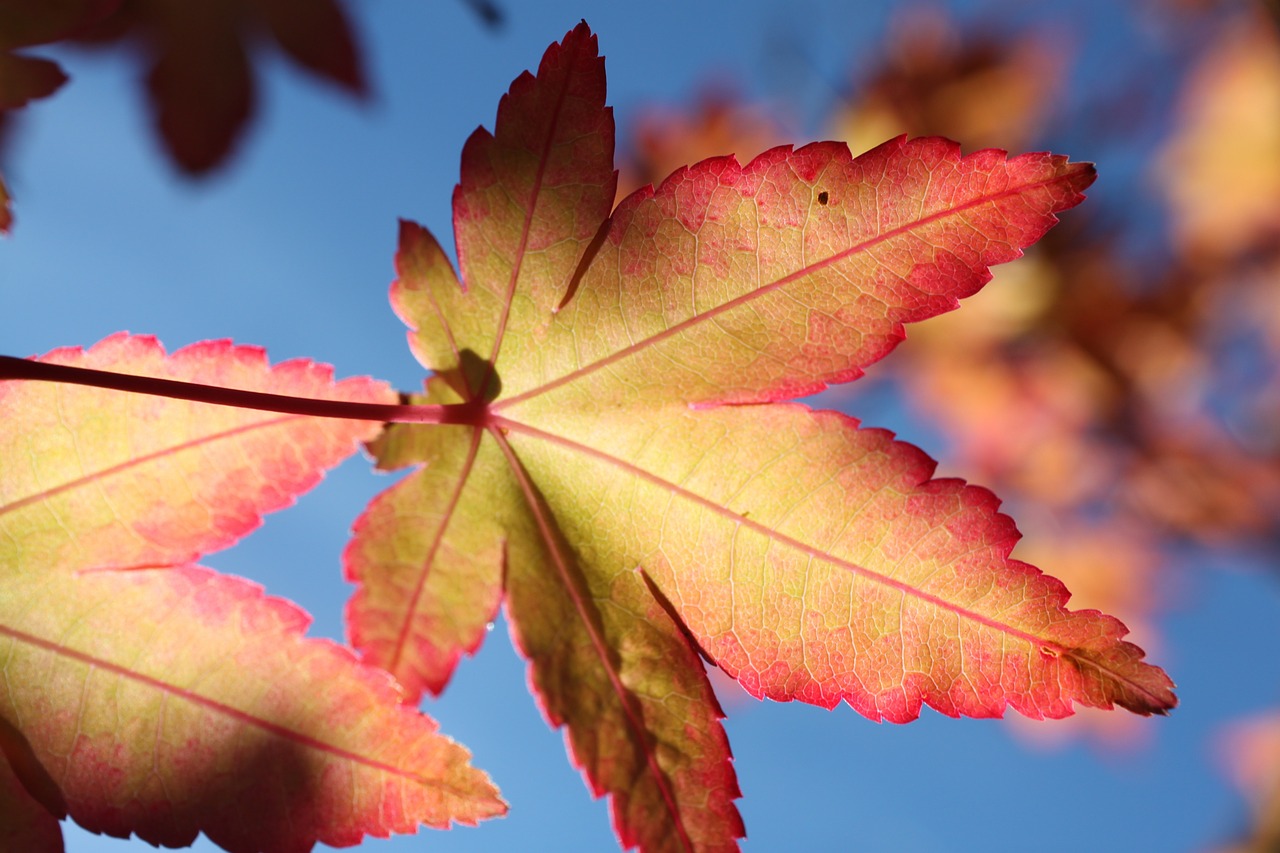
(1093,384)
(6,210)
(1249,752)
(201,80)
(26,23)
(1221,170)
(990,91)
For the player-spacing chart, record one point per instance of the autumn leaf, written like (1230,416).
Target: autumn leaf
(171,702)
(26,24)
(27,78)
(95,479)
(627,479)
(162,699)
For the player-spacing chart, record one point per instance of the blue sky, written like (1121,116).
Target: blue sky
(291,247)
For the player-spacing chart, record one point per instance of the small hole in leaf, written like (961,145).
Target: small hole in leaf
(823,197)
(1050,651)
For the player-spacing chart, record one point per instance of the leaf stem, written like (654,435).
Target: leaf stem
(39,371)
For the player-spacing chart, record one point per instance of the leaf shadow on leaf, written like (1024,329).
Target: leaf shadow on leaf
(642,742)
(477,372)
(665,603)
(270,802)
(26,766)
(472,371)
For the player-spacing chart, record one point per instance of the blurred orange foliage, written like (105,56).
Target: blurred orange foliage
(1123,404)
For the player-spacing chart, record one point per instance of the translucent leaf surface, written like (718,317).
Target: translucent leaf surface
(99,479)
(143,695)
(170,702)
(644,521)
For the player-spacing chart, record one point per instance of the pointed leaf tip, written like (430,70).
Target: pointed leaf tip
(912,599)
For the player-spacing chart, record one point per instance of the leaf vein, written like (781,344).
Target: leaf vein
(232,712)
(781,539)
(765,289)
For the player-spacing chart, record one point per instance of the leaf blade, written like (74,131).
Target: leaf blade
(681,301)
(6,208)
(610,665)
(530,198)
(731,285)
(322,749)
(94,496)
(736,532)
(427,554)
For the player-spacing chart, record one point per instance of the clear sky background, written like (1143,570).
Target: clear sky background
(290,247)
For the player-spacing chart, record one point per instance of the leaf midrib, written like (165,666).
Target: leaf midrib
(640,735)
(766,289)
(137,461)
(518,266)
(818,554)
(227,710)
(404,635)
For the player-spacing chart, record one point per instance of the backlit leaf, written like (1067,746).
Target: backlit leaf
(431,549)
(169,702)
(643,522)
(910,598)
(97,479)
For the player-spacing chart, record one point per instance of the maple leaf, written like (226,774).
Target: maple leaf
(173,701)
(201,82)
(626,479)
(88,494)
